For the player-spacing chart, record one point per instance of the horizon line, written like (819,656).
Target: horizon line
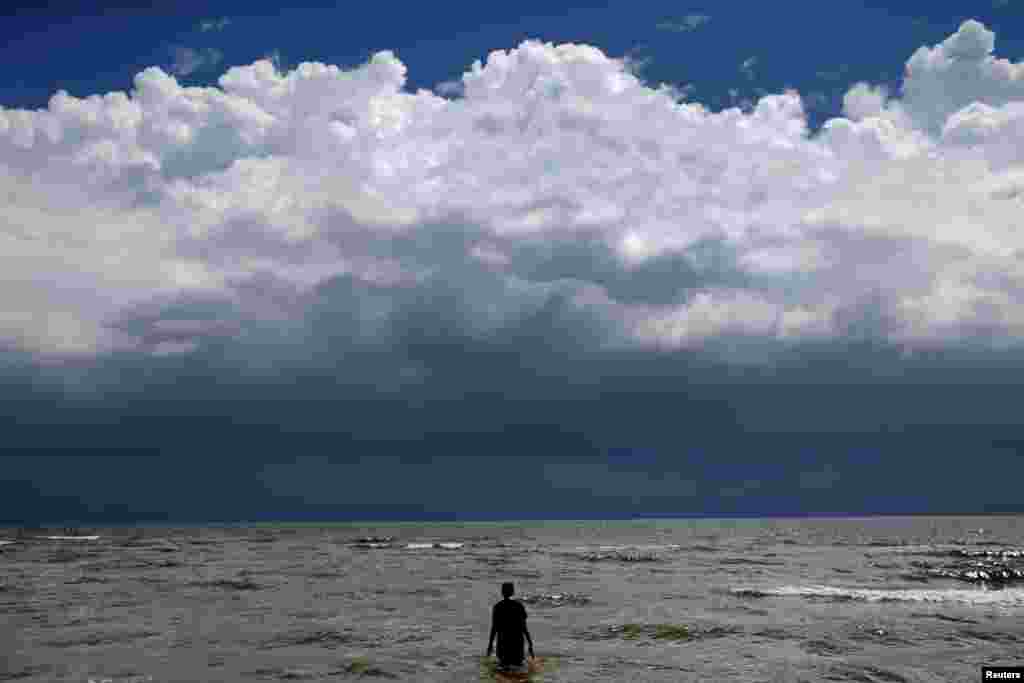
(448,521)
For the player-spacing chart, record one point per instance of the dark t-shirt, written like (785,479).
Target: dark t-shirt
(509,621)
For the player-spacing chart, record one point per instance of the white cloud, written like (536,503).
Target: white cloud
(558,173)
(747,67)
(691,22)
(275,58)
(207,25)
(943,79)
(449,88)
(863,101)
(188,60)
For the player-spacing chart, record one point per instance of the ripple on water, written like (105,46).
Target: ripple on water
(324,638)
(861,672)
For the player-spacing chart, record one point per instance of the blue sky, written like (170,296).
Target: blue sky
(573,272)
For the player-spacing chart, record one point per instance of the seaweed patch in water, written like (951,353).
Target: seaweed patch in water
(630,631)
(676,632)
(672,632)
(360,666)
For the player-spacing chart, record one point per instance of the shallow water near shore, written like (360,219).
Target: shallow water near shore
(854,599)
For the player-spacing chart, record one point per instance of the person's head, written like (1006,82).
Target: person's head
(507,590)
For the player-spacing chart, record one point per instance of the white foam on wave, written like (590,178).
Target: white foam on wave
(627,548)
(1008,597)
(426,546)
(945,548)
(69,538)
(7,542)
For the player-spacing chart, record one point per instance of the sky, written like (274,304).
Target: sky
(520,261)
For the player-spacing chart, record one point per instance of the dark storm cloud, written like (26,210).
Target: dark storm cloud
(353,431)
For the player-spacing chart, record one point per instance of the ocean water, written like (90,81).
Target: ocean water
(853,599)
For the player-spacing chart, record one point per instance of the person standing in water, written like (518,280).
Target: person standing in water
(508,622)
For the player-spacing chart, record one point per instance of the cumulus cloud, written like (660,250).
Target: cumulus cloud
(863,101)
(286,212)
(940,80)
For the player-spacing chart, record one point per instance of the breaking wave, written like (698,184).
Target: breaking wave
(1007,597)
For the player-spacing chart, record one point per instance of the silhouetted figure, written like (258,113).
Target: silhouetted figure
(508,622)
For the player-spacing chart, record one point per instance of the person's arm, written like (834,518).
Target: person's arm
(526,632)
(494,632)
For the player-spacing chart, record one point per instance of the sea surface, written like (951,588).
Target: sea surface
(886,599)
